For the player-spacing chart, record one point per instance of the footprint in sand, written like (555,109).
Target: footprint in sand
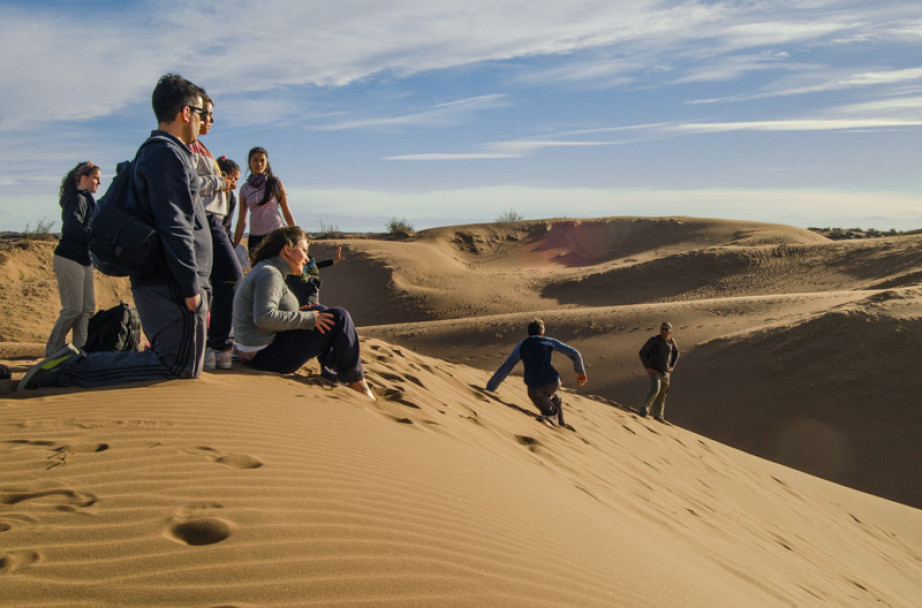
(397,395)
(234,461)
(60,499)
(17,560)
(200,531)
(530,442)
(195,525)
(14,520)
(59,452)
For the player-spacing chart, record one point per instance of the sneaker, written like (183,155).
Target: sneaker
(549,420)
(46,367)
(224,359)
(644,413)
(210,359)
(660,419)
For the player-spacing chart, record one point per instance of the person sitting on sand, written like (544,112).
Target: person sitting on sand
(541,378)
(659,356)
(274,333)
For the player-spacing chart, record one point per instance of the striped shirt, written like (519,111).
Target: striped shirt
(263,218)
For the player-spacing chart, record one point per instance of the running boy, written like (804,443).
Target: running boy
(541,378)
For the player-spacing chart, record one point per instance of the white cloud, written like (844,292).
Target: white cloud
(502,150)
(794,125)
(908,107)
(440,114)
(65,68)
(819,82)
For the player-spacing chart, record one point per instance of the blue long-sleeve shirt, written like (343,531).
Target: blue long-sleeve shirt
(535,353)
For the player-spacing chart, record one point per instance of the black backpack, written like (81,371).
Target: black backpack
(122,242)
(116,329)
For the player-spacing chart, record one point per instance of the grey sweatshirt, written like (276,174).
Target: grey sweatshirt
(264,306)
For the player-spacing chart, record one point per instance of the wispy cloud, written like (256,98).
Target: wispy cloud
(794,125)
(438,115)
(276,44)
(821,83)
(502,150)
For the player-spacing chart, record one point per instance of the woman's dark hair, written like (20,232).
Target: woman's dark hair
(272,182)
(70,181)
(276,240)
(227,166)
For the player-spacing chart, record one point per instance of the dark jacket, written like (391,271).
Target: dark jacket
(535,353)
(166,193)
(659,354)
(306,287)
(77,208)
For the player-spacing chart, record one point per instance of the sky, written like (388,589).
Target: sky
(437,113)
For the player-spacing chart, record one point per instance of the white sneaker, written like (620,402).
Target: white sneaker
(210,359)
(224,359)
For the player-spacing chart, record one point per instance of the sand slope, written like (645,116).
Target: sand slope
(208,493)
(244,489)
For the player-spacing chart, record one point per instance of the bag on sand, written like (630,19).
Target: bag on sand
(122,242)
(116,329)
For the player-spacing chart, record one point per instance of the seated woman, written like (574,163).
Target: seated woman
(273,333)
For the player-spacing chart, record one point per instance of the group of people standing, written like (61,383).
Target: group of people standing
(197,298)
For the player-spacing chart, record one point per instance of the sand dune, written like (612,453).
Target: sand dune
(206,493)
(244,489)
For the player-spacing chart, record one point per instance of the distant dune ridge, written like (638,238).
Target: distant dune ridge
(246,489)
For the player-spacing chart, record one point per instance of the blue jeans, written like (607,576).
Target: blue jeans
(337,349)
(177,344)
(225,274)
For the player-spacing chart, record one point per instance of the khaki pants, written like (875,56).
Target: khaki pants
(655,402)
(78,303)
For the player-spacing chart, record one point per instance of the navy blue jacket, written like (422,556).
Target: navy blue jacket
(535,353)
(77,208)
(166,193)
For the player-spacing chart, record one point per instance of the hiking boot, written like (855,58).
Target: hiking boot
(46,367)
(210,359)
(224,359)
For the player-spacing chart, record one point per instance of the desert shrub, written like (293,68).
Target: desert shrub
(509,216)
(399,227)
(329,229)
(41,232)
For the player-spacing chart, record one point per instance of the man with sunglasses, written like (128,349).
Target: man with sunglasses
(659,356)
(172,300)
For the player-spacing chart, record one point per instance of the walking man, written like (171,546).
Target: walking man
(541,378)
(659,356)
(173,301)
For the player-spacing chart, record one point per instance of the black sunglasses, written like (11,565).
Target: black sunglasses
(202,112)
